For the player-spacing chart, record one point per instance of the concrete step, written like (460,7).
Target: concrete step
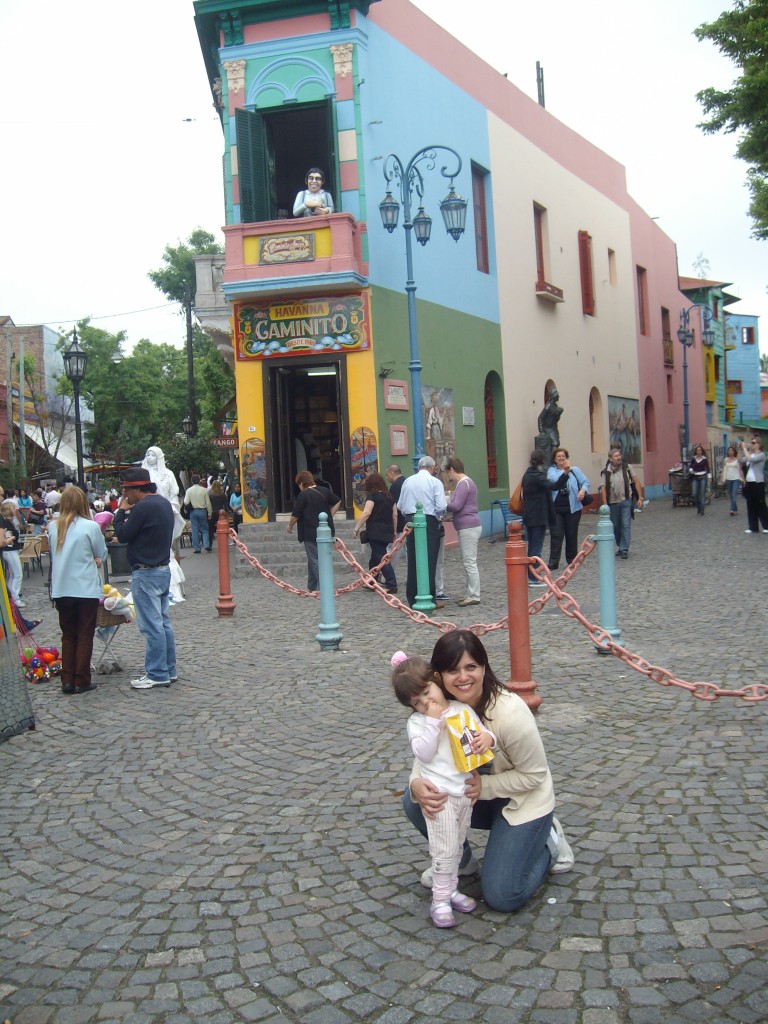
(282,554)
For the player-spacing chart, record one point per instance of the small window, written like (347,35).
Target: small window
(587,277)
(747,335)
(540,235)
(716,308)
(666,332)
(612,267)
(481,222)
(642,299)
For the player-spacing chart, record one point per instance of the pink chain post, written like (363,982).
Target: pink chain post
(516,557)
(225,605)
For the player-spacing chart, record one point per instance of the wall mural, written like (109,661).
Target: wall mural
(365,459)
(624,427)
(439,425)
(254,471)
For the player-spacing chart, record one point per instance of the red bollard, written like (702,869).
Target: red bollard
(225,604)
(516,558)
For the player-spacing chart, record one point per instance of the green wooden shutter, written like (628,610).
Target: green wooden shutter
(252,166)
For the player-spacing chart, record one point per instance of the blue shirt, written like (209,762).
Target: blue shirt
(427,489)
(74,572)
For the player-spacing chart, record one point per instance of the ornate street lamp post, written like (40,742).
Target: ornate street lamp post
(685,337)
(75,362)
(408,180)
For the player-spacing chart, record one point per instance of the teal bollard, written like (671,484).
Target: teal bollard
(423,601)
(606,561)
(329,635)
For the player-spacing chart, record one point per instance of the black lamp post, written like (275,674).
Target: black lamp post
(188,427)
(75,362)
(409,179)
(685,337)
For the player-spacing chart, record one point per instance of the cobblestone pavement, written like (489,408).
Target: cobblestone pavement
(232,849)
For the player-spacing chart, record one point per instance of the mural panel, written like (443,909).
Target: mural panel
(624,427)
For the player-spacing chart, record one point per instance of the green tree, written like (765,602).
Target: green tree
(764,362)
(135,399)
(742,35)
(178,271)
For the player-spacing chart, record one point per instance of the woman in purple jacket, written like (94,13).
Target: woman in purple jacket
(463,505)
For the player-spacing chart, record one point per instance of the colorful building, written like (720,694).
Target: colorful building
(557,280)
(742,385)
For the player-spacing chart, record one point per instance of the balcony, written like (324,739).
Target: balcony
(549,292)
(669,351)
(302,256)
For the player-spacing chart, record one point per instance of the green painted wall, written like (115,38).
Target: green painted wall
(457,351)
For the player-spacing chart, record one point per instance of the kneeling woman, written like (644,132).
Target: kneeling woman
(516,801)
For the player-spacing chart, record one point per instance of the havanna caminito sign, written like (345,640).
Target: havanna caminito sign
(302,326)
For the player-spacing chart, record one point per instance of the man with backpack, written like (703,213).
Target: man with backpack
(619,490)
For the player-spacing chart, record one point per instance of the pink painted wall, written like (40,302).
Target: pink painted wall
(655,251)
(305,26)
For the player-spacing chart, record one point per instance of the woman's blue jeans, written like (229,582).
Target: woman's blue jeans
(517,858)
(733,490)
(536,535)
(699,490)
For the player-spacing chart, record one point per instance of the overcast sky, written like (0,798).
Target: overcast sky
(112,148)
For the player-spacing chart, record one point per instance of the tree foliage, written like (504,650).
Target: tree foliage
(742,35)
(135,399)
(178,270)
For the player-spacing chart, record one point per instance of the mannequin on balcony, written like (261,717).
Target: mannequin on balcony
(313,201)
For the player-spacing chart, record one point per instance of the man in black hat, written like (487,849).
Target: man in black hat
(145,520)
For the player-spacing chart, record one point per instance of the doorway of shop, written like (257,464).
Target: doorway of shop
(305,428)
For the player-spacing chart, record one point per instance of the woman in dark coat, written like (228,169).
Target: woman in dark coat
(538,510)
(218,502)
(379,518)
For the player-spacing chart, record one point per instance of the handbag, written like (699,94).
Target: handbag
(517,502)
(363,536)
(587,500)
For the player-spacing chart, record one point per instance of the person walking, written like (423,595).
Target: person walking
(423,487)
(218,502)
(753,457)
(538,509)
(570,487)
(616,492)
(732,477)
(378,519)
(9,523)
(144,521)
(236,507)
(310,502)
(78,551)
(466,522)
(699,470)
(198,502)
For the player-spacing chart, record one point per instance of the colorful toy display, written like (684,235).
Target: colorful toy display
(41,663)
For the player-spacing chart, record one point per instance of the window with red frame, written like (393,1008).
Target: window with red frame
(587,277)
(481,222)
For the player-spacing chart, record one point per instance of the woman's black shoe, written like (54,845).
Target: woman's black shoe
(85,689)
(68,689)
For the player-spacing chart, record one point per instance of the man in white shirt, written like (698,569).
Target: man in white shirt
(426,488)
(52,497)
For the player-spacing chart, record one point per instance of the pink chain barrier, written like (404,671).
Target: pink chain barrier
(752,693)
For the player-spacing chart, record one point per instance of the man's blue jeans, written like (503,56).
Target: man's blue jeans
(151,590)
(621,517)
(517,858)
(198,521)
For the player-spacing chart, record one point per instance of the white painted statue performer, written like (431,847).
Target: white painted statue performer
(168,487)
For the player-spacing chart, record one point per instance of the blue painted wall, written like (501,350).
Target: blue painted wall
(744,365)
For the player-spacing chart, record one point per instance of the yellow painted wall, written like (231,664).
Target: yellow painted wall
(250,409)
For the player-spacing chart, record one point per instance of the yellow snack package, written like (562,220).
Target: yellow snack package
(461,727)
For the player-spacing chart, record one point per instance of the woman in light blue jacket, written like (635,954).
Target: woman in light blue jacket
(77,554)
(569,487)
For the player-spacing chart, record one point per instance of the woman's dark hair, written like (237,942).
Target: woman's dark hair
(695,450)
(410,678)
(448,652)
(455,464)
(314,170)
(375,482)
(538,458)
(305,478)
(731,448)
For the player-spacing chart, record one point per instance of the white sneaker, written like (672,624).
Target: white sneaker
(21,604)
(145,683)
(749,531)
(565,859)
(470,868)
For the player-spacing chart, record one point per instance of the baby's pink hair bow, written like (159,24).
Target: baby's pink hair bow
(397,658)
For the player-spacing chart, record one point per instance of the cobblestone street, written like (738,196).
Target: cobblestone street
(232,849)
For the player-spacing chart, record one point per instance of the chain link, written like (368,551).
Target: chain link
(752,692)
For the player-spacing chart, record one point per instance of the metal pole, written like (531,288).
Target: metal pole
(22,425)
(606,561)
(191,404)
(78,436)
(9,404)
(423,601)
(329,636)
(225,605)
(415,364)
(521,679)
(686,422)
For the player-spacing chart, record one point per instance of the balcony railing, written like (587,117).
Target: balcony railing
(301,255)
